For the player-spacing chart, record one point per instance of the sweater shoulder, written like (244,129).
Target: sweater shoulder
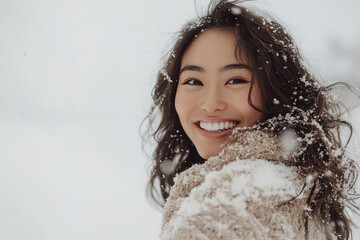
(242,200)
(255,181)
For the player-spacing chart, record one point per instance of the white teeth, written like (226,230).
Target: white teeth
(218,126)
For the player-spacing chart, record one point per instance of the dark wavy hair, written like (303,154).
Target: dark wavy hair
(293,98)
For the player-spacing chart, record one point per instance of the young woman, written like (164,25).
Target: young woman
(249,144)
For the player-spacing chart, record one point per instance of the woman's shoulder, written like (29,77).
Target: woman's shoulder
(237,196)
(250,180)
(254,155)
(246,199)
(256,178)
(251,153)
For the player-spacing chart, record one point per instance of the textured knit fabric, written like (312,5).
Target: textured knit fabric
(248,191)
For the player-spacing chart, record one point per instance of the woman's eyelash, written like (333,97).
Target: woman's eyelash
(236,81)
(193,82)
(199,83)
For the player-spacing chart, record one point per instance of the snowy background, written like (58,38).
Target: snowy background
(75,82)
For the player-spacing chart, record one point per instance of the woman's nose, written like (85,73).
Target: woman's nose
(213,102)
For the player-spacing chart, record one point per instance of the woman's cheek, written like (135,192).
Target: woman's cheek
(183,102)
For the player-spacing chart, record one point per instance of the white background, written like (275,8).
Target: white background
(75,82)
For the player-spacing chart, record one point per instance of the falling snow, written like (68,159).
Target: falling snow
(236,10)
(289,141)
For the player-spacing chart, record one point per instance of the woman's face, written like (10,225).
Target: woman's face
(212,94)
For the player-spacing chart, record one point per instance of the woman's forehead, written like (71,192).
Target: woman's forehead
(213,47)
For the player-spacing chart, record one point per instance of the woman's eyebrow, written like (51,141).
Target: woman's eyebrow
(192,68)
(224,68)
(234,66)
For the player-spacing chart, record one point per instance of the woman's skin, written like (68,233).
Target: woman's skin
(212,94)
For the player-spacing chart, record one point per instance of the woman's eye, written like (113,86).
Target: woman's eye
(236,81)
(193,82)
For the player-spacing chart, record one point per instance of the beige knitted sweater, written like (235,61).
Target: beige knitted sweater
(246,192)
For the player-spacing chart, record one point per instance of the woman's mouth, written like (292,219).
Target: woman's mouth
(217,126)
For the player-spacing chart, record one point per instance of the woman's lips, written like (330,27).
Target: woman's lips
(217,126)
(216,129)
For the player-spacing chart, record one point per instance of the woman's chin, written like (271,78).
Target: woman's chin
(207,154)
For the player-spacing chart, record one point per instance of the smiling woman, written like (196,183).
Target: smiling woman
(212,93)
(249,143)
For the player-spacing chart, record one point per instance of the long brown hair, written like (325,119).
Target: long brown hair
(293,97)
